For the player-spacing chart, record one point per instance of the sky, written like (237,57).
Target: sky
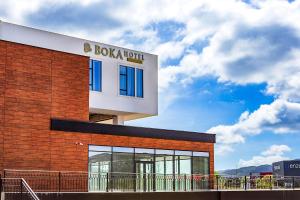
(227,67)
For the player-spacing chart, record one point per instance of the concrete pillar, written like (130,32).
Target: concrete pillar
(118,120)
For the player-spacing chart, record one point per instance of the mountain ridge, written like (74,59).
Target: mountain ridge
(245,171)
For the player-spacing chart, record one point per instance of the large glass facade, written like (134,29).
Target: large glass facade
(138,169)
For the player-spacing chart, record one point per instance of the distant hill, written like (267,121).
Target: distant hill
(245,171)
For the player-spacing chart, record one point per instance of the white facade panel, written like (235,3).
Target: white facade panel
(109,101)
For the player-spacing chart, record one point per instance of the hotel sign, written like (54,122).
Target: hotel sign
(121,54)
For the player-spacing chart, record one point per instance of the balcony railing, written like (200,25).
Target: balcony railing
(54,181)
(16,189)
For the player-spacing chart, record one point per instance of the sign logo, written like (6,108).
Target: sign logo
(276,167)
(121,54)
(294,166)
(87,47)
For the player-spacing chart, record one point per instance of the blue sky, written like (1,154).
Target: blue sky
(231,68)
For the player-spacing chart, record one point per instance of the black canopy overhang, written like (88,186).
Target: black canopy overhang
(131,131)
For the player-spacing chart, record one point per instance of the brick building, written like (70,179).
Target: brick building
(63,102)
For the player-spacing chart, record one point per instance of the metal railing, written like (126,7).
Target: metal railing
(53,181)
(267,182)
(16,189)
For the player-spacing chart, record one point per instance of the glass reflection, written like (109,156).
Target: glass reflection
(164,170)
(201,172)
(99,166)
(182,170)
(122,162)
(146,169)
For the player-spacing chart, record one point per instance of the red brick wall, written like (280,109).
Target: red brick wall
(2,87)
(37,84)
(75,156)
(70,86)
(27,107)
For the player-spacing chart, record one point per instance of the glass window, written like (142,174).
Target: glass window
(200,165)
(123,80)
(183,165)
(123,149)
(91,76)
(144,169)
(131,79)
(164,161)
(99,148)
(164,152)
(160,164)
(164,164)
(200,171)
(95,75)
(164,169)
(127,81)
(172,169)
(99,166)
(144,155)
(149,151)
(202,154)
(123,159)
(139,83)
(100,162)
(123,162)
(183,153)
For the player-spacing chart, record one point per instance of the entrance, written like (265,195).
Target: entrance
(144,176)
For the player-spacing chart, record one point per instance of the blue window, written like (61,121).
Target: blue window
(95,75)
(127,81)
(139,83)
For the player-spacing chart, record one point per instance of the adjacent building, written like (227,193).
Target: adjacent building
(64,100)
(286,168)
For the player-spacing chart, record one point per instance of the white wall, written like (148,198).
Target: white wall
(108,101)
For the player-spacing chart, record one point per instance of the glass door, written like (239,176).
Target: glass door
(144,176)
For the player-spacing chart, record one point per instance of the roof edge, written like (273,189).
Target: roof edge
(131,131)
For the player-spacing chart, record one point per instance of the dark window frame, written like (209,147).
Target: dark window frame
(142,82)
(91,75)
(125,75)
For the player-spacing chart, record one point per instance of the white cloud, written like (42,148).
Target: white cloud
(169,50)
(16,11)
(242,43)
(227,25)
(261,160)
(221,150)
(273,154)
(246,45)
(281,116)
(276,150)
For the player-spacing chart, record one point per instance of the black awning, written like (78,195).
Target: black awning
(131,131)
